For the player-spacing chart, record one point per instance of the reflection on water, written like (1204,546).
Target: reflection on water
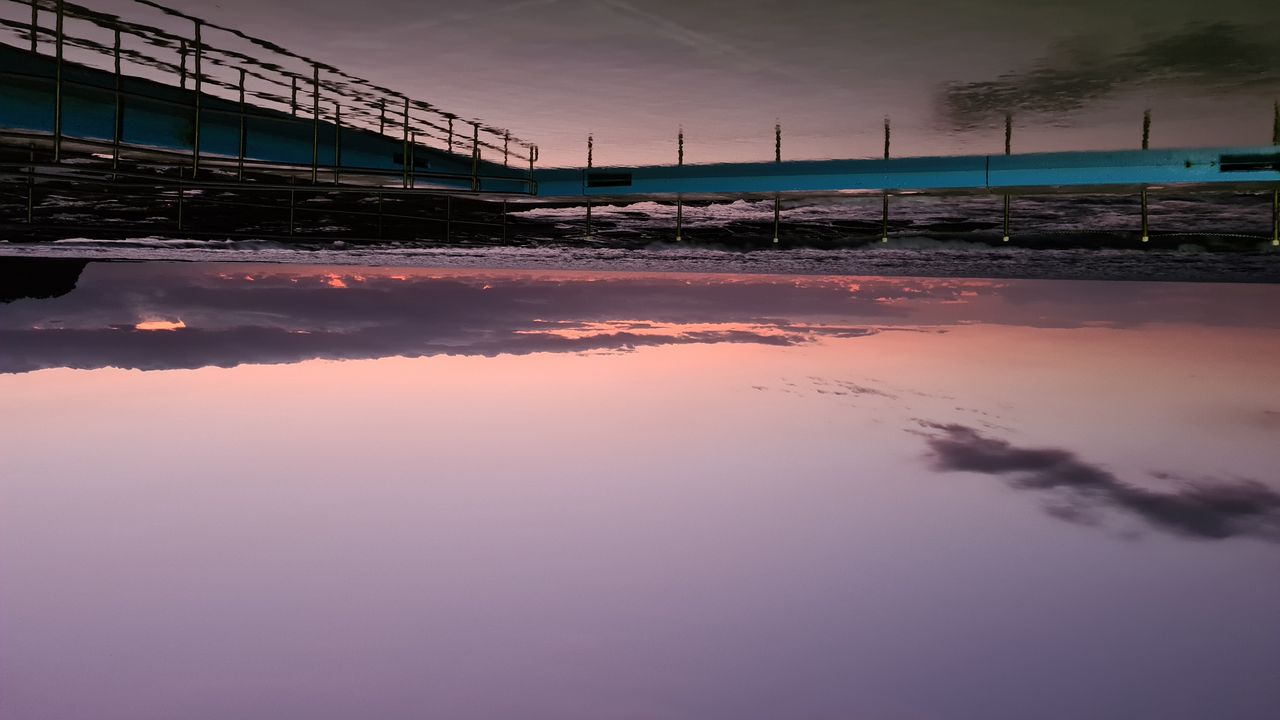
(270,491)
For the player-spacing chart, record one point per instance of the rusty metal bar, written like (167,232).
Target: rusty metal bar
(404,155)
(31,187)
(118,128)
(315,123)
(337,143)
(777,198)
(1146,145)
(195,142)
(57,90)
(1008,150)
(590,159)
(475,157)
(884,213)
(243,145)
(679,198)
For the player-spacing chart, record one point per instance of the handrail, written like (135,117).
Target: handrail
(364,103)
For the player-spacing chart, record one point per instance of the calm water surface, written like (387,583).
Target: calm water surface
(270,491)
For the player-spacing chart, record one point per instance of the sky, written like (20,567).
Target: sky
(608,495)
(1076,75)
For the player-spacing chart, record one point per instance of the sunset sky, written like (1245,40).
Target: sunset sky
(612,495)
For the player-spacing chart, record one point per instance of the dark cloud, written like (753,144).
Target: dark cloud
(1080,492)
(237,313)
(1217,56)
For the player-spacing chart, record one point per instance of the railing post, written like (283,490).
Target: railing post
(1275,192)
(243,146)
(337,143)
(31,187)
(1275,218)
(35,24)
(195,142)
(57,89)
(118,128)
(1146,145)
(1008,150)
(679,197)
(475,157)
(315,123)
(587,181)
(884,213)
(777,197)
(404,155)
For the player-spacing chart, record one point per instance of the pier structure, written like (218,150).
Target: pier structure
(212,119)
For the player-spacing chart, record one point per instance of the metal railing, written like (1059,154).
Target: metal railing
(263,75)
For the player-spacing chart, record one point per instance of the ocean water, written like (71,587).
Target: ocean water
(1215,237)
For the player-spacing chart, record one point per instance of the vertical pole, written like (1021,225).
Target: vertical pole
(337,143)
(291,205)
(1008,149)
(884,214)
(118,126)
(181,195)
(679,198)
(1275,218)
(182,66)
(450,136)
(506,144)
(195,142)
(404,154)
(382,116)
(57,89)
(777,198)
(379,214)
(475,157)
(293,96)
(1275,192)
(1275,123)
(315,123)
(31,187)
(413,157)
(590,152)
(243,145)
(533,155)
(1146,145)
(35,24)
(1146,236)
